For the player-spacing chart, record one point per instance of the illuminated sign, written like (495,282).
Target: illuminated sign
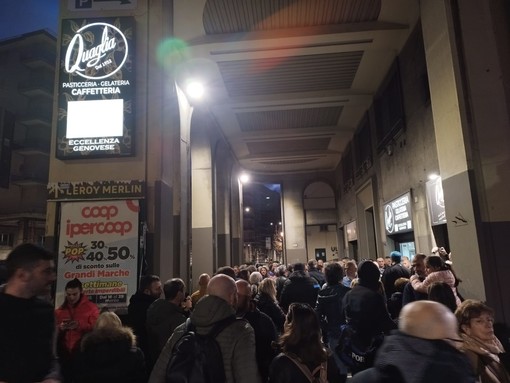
(435,201)
(96,88)
(87,190)
(397,215)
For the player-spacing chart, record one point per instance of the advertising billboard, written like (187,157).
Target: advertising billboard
(96,88)
(397,215)
(98,244)
(435,201)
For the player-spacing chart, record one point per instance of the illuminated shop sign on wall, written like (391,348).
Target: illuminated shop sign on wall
(96,88)
(435,201)
(397,215)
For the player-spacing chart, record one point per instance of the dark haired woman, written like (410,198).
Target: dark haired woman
(303,356)
(442,293)
(436,271)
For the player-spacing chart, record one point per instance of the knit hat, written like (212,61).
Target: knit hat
(396,256)
(369,274)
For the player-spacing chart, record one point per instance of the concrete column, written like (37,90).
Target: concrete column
(202,247)
(294,222)
(222,196)
(467,62)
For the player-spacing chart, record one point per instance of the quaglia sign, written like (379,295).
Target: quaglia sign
(96,88)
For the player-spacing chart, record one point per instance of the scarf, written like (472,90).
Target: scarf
(489,349)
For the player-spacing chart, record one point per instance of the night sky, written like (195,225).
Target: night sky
(22,16)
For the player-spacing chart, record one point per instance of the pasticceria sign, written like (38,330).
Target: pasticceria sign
(96,88)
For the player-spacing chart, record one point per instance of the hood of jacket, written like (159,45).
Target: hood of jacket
(160,310)
(122,335)
(415,357)
(332,292)
(209,310)
(141,298)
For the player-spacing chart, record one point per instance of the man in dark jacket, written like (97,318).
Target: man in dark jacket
(329,309)
(27,323)
(314,272)
(422,351)
(163,316)
(299,287)
(410,294)
(148,291)
(236,341)
(365,307)
(263,326)
(394,272)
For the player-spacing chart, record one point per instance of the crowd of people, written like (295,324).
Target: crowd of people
(383,320)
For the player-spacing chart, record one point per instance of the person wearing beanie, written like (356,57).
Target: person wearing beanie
(364,307)
(394,272)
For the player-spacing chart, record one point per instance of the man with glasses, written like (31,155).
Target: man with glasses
(27,322)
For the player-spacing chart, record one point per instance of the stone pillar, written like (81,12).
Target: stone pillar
(202,246)
(466,44)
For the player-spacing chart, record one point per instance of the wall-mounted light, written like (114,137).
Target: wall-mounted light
(195,90)
(433,176)
(389,149)
(244,178)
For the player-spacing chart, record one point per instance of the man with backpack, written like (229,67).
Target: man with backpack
(213,317)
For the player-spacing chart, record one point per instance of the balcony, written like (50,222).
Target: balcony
(29,179)
(32,146)
(39,58)
(37,86)
(37,115)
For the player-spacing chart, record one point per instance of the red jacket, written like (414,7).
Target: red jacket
(85,313)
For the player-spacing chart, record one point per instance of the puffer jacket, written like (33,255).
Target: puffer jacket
(436,276)
(407,359)
(329,308)
(236,341)
(110,356)
(300,288)
(85,313)
(269,307)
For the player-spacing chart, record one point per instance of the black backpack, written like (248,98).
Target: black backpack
(355,353)
(197,358)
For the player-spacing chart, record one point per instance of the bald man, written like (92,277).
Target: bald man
(203,281)
(236,341)
(423,350)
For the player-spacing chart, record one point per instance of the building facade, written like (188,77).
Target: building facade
(441,106)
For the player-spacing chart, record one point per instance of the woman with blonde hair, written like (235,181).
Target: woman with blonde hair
(266,302)
(483,349)
(303,357)
(109,354)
